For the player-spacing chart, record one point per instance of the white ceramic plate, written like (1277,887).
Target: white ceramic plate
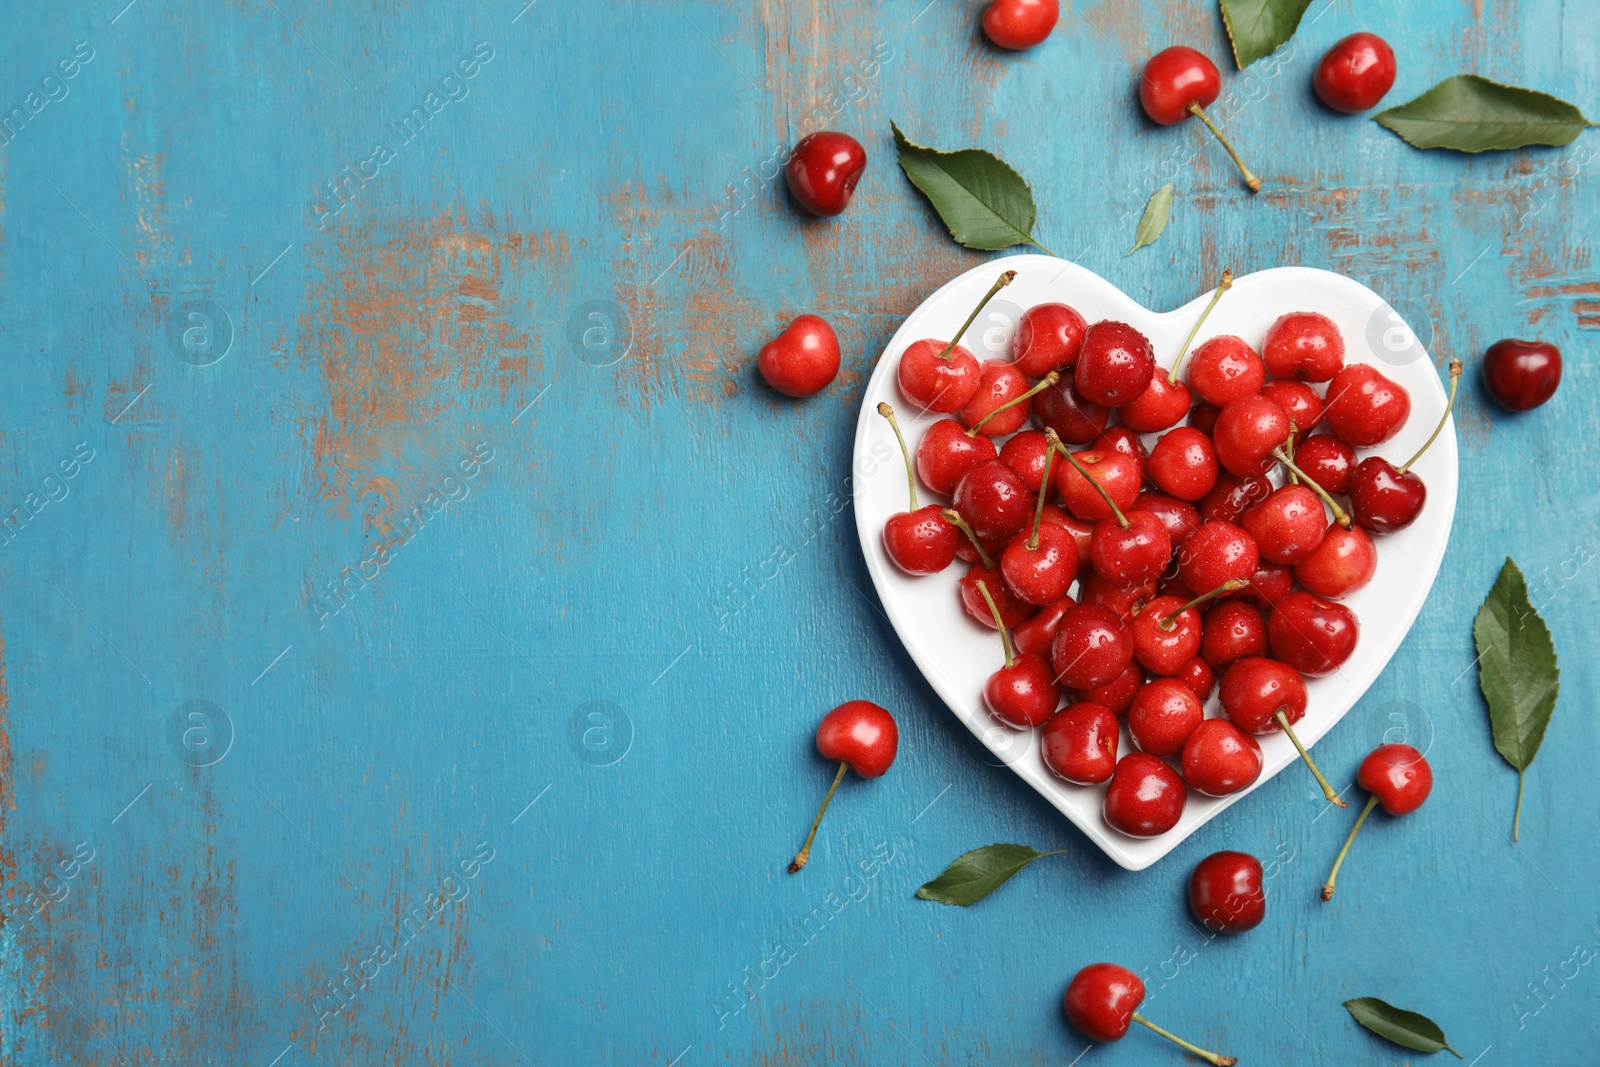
(956,655)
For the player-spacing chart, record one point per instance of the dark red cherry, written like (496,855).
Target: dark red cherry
(1091,647)
(1247,431)
(1342,563)
(1114,365)
(823,171)
(1145,797)
(1183,464)
(1521,375)
(1036,634)
(1231,497)
(1233,630)
(1288,525)
(1203,417)
(1163,716)
(1303,345)
(1226,892)
(1074,419)
(1312,635)
(1355,73)
(1225,369)
(1363,408)
(1383,499)
(1048,337)
(1220,759)
(993,499)
(1079,743)
(1326,460)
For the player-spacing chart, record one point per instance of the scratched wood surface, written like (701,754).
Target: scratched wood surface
(415,614)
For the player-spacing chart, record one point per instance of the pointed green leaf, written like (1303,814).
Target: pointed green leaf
(984,203)
(1405,1028)
(1258,27)
(1154,220)
(1517,668)
(1472,114)
(976,874)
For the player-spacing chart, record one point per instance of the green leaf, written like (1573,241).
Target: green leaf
(976,874)
(1154,220)
(1405,1028)
(1258,27)
(984,203)
(1472,114)
(1517,672)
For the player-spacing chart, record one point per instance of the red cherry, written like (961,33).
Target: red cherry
(1019,24)
(1012,610)
(1246,433)
(1114,365)
(919,541)
(993,499)
(1116,694)
(1036,634)
(1220,759)
(999,383)
(1199,677)
(1091,647)
(1123,601)
(1102,1000)
(1124,440)
(1163,403)
(1113,472)
(1312,635)
(1203,417)
(1343,562)
(1298,400)
(1166,634)
(1040,565)
(1233,630)
(1269,584)
(1023,693)
(1145,797)
(801,360)
(1216,553)
(1178,516)
(1326,460)
(947,452)
(1263,695)
(1356,73)
(1521,375)
(1079,743)
(1048,337)
(937,376)
(1131,551)
(859,736)
(1288,525)
(1363,408)
(1025,453)
(1303,345)
(1163,716)
(1179,82)
(1399,778)
(1063,409)
(823,171)
(1226,892)
(1183,463)
(1225,369)
(1231,497)
(1382,499)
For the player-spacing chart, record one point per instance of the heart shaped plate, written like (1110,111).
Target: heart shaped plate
(956,655)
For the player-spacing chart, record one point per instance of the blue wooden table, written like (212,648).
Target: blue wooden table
(416,613)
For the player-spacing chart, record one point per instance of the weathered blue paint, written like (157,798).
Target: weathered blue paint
(574,700)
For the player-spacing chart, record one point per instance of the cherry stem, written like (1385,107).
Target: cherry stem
(1455,382)
(911,479)
(804,854)
(1249,179)
(1044,383)
(1340,516)
(1222,287)
(1209,1057)
(1333,875)
(1167,622)
(1327,790)
(999,623)
(953,517)
(1288,450)
(1005,280)
(1044,486)
(1122,520)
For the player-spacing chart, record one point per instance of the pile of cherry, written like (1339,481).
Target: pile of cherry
(1130,584)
